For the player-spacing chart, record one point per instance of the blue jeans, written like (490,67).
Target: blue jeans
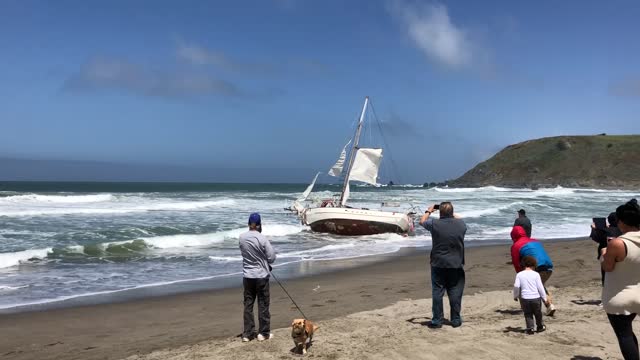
(451,280)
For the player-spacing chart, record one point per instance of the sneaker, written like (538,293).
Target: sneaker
(263,338)
(542,328)
(529,332)
(551,310)
(433,326)
(245,339)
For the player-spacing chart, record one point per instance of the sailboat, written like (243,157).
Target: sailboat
(336,217)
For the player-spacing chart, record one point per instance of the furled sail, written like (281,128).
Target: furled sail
(345,196)
(366,165)
(306,193)
(336,169)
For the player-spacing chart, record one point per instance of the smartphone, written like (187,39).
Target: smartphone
(600,222)
(436,206)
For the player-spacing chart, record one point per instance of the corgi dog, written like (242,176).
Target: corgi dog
(301,330)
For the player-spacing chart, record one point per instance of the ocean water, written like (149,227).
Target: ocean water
(62,241)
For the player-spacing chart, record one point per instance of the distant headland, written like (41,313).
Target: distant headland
(598,161)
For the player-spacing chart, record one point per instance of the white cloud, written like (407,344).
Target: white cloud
(102,73)
(626,88)
(198,55)
(433,32)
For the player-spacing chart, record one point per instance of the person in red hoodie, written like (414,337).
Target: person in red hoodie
(526,246)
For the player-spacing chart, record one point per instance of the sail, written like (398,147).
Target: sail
(306,193)
(345,196)
(366,165)
(336,169)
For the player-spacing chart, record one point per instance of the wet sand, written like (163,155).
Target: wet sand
(172,326)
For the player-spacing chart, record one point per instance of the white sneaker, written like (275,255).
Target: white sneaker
(263,338)
(551,310)
(245,339)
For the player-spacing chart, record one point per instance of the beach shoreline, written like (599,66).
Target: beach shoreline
(118,330)
(293,270)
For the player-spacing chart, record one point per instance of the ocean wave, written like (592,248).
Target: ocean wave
(10,259)
(226,258)
(7,288)
(106,292)
(61,199)
(173,241)
(489,210)
(478,189)
(201,240)
(121,209)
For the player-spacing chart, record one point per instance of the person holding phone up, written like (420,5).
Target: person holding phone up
(601,233)
(447,262)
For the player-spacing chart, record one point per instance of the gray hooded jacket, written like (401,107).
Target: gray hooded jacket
(257,254)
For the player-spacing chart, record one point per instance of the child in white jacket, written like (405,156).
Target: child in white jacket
(529,290)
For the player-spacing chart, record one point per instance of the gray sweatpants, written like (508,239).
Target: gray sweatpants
(531,308)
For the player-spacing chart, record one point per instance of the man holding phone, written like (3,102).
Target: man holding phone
(447,262)
(600,233)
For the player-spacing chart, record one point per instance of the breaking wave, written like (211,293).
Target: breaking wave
(61,199)
(139,247)
(16,258)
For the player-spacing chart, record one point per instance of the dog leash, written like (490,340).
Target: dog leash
(286,292)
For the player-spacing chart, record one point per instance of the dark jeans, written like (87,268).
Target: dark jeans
(451,280)
(531,308)
(622,326)
(256,288)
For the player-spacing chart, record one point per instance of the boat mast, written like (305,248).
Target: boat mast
(352,155)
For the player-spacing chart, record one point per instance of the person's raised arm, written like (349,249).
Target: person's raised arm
(425,217)
(613,253)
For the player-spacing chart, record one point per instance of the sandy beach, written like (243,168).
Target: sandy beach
(372,311)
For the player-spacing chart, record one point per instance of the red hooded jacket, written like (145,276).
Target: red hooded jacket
(523,246)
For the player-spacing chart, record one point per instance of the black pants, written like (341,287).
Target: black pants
(532,308)
(451,280)
(256,288)
(622,326)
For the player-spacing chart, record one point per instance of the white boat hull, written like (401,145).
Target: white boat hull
(351,221)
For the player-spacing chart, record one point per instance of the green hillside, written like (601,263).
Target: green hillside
(600,161)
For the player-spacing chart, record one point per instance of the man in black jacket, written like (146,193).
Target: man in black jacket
(523,220)
(601,236)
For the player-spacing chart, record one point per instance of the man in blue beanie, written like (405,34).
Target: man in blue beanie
(257,255)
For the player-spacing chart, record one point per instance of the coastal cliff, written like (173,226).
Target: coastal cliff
(599,161)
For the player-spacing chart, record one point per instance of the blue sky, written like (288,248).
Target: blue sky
(278,84)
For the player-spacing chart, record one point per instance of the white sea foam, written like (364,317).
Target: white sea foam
(469,190)
(7,288)
(226,258)
(488,210)
(16,258)
(96,293)
(203,240)
(60,199)
(114,208)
